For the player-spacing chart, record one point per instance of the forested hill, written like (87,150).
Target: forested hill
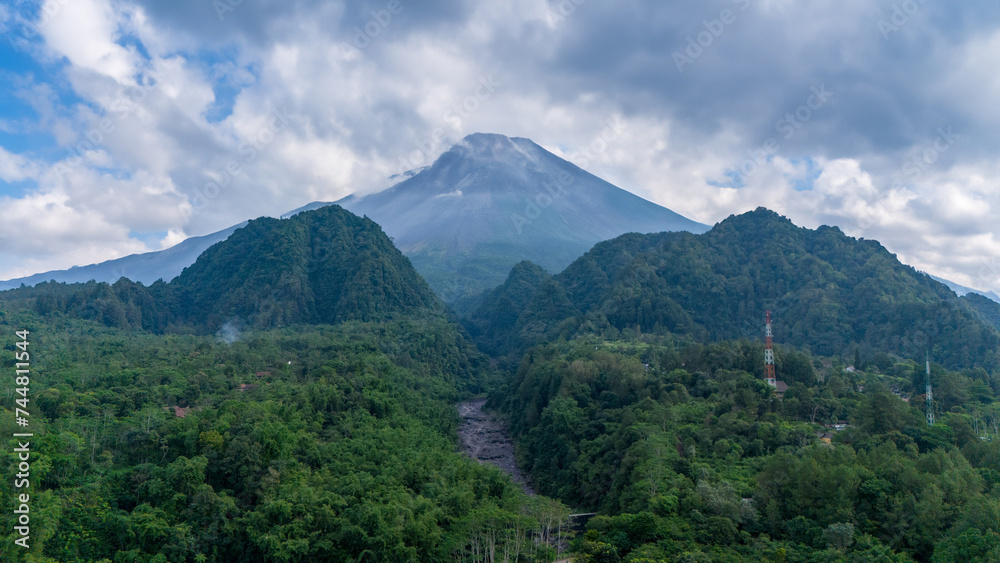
(496,317)
(829,293)
(323,266)
(987,308)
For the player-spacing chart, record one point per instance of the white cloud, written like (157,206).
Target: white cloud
(60,235)
(173,238)
(15,168)
(85,32)
(79,215)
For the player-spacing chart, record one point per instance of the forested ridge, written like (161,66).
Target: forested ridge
(832,293)
(291,397)
(323,266)
(637,390)
(987,308)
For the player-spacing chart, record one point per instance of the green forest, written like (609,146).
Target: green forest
(688,455)
(292,397)
(831,294)
(318,443)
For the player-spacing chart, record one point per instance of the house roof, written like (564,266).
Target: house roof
(180,412)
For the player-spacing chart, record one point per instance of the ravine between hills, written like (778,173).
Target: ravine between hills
(485,438)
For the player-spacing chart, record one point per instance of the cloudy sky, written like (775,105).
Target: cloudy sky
(127,126)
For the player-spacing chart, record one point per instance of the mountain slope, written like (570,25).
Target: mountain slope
(987,308)
(325,266)
(962,290)
(144,268)
(496,317)
(484,205)
(492,201)
(829,292)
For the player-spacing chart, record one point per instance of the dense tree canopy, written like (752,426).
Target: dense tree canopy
(689,455)
(318,443)
(291,397)
(830,294)
(323,266)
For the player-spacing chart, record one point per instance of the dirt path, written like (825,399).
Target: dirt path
(485,438)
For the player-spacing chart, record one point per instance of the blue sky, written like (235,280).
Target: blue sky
(128,125)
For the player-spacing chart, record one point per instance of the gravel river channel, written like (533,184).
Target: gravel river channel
(485,438)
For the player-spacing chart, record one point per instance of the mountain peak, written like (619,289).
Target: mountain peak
(491,201)
(493,141)
(763,221)
(484,205)
(759,215)
(491,148)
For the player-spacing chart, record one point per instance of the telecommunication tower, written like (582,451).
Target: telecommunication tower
(769,354)
(930,394)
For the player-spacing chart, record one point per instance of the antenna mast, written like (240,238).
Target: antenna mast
(929,392)
(769,354)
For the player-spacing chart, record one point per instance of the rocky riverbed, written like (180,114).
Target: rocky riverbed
(485,438)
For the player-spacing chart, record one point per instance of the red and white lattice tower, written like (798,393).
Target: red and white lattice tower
(769,354)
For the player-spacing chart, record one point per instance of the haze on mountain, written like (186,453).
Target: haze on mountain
(492,201)
(962,290)
(145,268)
(483,206)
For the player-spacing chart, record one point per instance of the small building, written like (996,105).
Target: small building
(838,426)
